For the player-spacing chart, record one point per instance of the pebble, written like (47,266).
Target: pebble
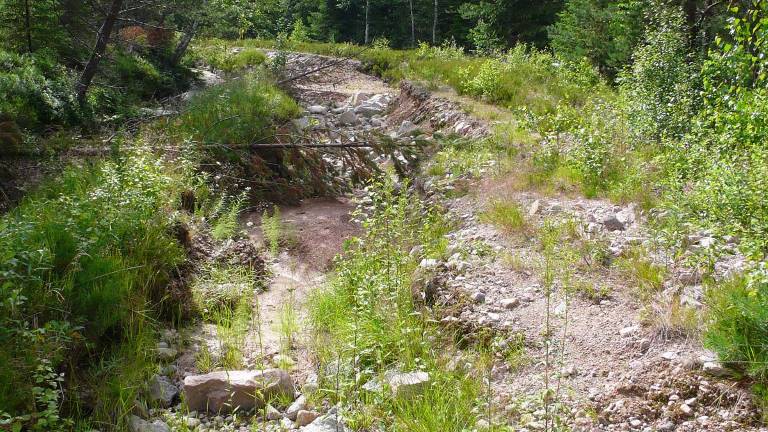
(478,297)
(510,303)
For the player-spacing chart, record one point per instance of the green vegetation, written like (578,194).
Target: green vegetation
(85,260)
(508,216)
(366,322)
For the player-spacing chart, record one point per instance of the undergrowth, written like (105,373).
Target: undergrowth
(367,323)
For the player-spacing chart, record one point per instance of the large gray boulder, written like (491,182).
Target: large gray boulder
(221,392)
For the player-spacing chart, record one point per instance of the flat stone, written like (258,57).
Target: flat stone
(272,413)
(510,303)
(317,109)
(326,423)
(629,331)
(224,391)
(348,118)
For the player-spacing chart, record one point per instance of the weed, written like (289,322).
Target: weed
(226,222)
(368,313)
(507,215)
(647,275)
(272,228)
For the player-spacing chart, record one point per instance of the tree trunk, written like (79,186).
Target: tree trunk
(98,51)
(181,48)
(434,25)
(28,25)
(367,22)
(413,24)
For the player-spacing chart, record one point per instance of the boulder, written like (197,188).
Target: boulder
(612,223)
(348,118)
(327,423)
(136,424)
(298,405)
(162,391)
(226,390)
(304,417)
(369,109)
(407,128)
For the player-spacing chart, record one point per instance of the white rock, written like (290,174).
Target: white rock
(714,368)
(428,263)
(629,331)
(224,391)
(317,109)
(299,404)
(406,384)
(136,424)
(510,303)
(669,355)
(326,423)
(535,207)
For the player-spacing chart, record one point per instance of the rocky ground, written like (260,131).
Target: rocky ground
(615,370)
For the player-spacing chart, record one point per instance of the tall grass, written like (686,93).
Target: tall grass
(230,117)
(85,260)
(367,314)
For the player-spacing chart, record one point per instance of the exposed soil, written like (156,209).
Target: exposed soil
(614,372)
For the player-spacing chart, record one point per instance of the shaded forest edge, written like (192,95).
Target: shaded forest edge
(669,115)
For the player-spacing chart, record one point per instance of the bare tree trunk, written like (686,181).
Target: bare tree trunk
(98,51)
(434,25)
(413,24)
(181,48)
(367,22)
(28,25)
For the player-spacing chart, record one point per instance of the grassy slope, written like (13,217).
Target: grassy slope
(87,258)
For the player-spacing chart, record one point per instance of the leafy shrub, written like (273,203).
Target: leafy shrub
(36,91)
(230,117)
(485,39)
(82,258)
(736,331)
(661,84)
(139,76)
(603,32)
(449,50)
(300,33)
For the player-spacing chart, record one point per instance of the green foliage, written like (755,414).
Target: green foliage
(484,39)
(736,331)
(272,228)
(37,92)
(507,215)
(230,117)
(605,32)
(368,314)
(83,257)
(226,218)
(299,33)
(661,85)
